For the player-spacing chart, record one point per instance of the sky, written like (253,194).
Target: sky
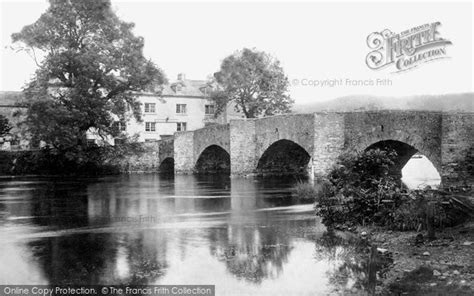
(314,41)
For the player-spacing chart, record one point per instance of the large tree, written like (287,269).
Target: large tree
(91,70)
(254,82)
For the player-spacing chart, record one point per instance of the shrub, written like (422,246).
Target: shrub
(90,160)
(5,125)
(363,190)
(411,213)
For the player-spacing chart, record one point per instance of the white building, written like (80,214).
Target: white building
(182,105)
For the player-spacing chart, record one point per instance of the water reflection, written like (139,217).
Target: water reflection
(250,253)
(246,236)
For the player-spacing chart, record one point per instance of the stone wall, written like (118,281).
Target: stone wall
(446,139)
(421,130)
(165,149)
(298,128)
(328,141)
(147,161)
(457,149)
(151,158)
(243,145)
(212,135)
(184,160)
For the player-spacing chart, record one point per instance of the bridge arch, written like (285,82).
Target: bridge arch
(284,157)
(405,152)
(420,130)
(213,159)
(167,165)
(412,143)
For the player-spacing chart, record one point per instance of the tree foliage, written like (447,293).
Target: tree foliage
(5,126)
(92,67)
(254,82)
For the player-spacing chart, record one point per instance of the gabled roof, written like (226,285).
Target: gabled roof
(178,88)
(186,88)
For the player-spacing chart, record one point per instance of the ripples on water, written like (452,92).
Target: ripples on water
(248,237)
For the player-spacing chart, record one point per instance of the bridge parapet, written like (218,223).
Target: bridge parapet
(445,138)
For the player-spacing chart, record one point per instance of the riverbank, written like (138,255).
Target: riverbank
(90,161)
(421,267)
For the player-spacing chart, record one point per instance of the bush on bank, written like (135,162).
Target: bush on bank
(89,160)
(361,190)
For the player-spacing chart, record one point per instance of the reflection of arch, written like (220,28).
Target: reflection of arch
(404,152)
(213,159)
(284,157)
(167,165)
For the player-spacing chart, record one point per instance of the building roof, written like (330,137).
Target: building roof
(186,88)
(181,87)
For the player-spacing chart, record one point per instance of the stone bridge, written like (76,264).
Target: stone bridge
(311,143)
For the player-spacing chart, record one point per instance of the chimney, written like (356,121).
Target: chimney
(181,77)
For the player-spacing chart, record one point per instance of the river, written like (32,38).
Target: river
(246,236)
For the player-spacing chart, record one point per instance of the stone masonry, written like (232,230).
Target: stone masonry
(445,138)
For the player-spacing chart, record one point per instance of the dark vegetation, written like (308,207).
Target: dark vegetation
(90,160)
(360,190)
(5,126)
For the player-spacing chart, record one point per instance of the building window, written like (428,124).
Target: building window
(181,108)
(209,109)
(150,126)
(150,107)
(181,126)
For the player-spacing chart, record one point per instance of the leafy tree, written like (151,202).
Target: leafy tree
(92,68)
(5,126)
(255,82)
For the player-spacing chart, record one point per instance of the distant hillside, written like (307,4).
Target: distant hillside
(451,102)
(10,98)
